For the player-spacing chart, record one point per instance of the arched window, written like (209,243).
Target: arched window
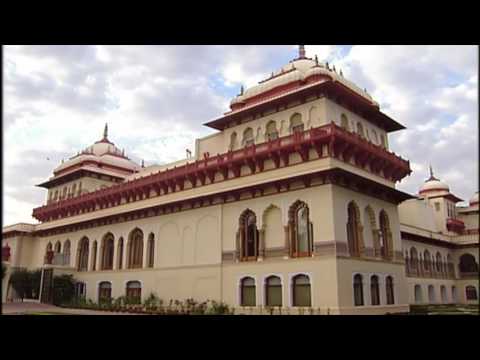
(468,264)
(58,247)
(94,256)
(248,233)
(360,130)
(383,141)
(296,123)
(151,251)
(418,294)
(248,137)
(271,132)
(354,229)
(471,292)
(66,253)
(375,137)
(107,252)
(427,260)
(83,250)
(375,290)
(104,292)
(135,249)
(120,253)
(134,292)
(49,254)
(301,291)
(450,268)
(385,236)
(389,290)
(414,259)
(454,294)
(443,294)
(344,122)
(300,230)
(247,292)
(233,141)
(371,229)
(439,262)
(358,290)
(273,291)
(431,294)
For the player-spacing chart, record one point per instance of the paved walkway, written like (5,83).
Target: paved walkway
(26,308)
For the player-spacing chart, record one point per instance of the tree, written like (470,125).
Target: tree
(20,281)
(63,289)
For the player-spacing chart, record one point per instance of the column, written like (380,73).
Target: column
(145,252)
(115,254)
(261,244)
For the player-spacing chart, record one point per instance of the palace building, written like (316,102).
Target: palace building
(290,203)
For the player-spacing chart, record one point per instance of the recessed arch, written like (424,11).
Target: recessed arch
(354,230)
(296,123)
(135,249)
(107,251)
(273,291)
(83,254)
(247,291)
(300,229)
(271,132)
(375,290)
(133,291)
(248,137)
(301,291)
(358,290)
(389,289)
(248,236)
(344,122)
(385,236)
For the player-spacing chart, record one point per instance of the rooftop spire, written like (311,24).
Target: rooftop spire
(431,174)
(301,52)
(105,132)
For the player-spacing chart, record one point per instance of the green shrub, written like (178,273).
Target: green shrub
(26,283)
(63,289)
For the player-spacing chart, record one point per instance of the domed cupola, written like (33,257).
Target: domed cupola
(102,154)
(434,186)
(474,200)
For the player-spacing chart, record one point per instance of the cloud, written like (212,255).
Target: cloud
(156,98)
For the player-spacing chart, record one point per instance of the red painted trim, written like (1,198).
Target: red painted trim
(447,196)
(455,225)
(394,167)
(337,177)
(64,178)
(99,164)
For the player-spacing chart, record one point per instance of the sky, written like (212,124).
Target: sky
(155,99)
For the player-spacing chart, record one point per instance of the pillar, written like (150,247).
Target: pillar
(115,254)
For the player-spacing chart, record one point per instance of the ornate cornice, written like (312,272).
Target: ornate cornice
(336,176)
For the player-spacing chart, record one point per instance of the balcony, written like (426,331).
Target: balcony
(340,144)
